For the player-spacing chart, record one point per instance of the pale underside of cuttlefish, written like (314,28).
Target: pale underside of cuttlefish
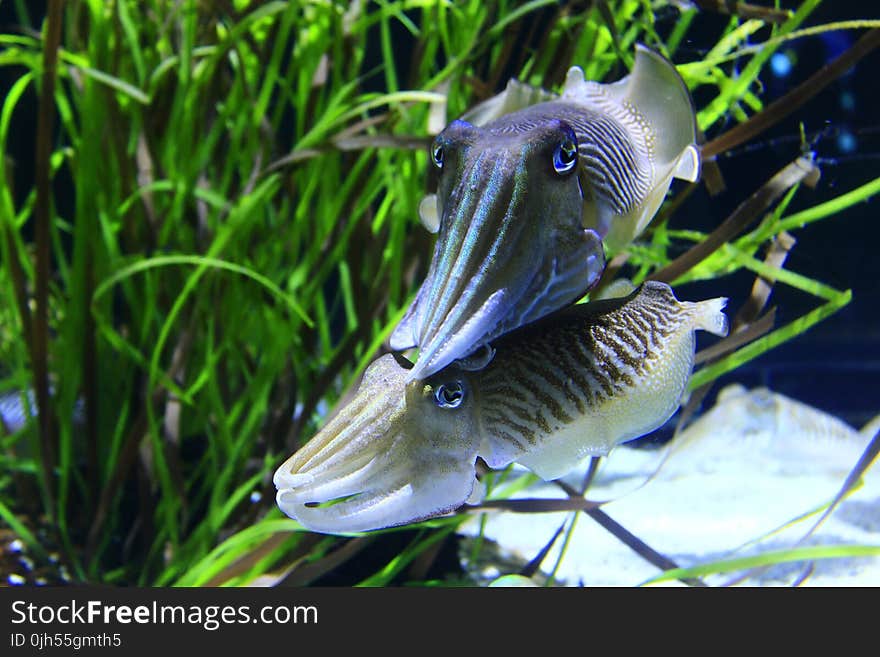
(530,185)
(575,385)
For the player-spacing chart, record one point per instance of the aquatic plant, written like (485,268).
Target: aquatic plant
(219,230)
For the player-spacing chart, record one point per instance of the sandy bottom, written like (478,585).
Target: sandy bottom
(732,496)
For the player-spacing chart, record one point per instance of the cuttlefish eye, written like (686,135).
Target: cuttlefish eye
(565,156)
(449,395)
(437,155)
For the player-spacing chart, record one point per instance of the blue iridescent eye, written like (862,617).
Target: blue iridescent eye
(565,156)
(437,155)
(449,395)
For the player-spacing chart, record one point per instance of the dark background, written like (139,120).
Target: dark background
(835,365)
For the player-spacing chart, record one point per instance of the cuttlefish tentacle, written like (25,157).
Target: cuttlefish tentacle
(530,185)
(368,464)
(574,385)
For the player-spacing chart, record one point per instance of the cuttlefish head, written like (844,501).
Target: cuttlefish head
(510,245)
(399,451)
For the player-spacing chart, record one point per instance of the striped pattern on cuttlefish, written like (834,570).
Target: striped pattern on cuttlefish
(529,187)
(573,385)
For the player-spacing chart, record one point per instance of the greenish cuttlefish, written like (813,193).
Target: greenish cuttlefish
(530,186)
(572,385)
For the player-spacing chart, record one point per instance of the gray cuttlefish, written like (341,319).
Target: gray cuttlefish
(572,385)
(530,185)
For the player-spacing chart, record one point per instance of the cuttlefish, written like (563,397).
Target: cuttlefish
(557,391)
(530,185)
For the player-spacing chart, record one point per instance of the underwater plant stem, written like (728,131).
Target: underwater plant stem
(534,565)
(40,327)
(794,99)
(762,287)
(748,324)
(867,458)
(745,10)
(800,169)
(737,339)
(18,282)
(629,539)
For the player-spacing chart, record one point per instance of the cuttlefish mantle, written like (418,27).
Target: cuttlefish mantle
(557,391)
(530,185)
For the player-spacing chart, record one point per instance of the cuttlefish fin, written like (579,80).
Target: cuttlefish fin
(709,316)
(654,105)
(871,428)
(516,96)
(617,289)
(687,167)
(657,94)
(429,213)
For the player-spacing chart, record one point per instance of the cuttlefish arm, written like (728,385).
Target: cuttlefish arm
(587,378)
(510,248)
(384,459)
(528,190)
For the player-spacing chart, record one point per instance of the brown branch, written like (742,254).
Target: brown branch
(576,502)
(790,102)
(745,10)
(748,211)
(534,505)
(762,287)
(314,570)
(745,327)
(248,560)
(535,564)
(737,338)
(42,219)
(629,539)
